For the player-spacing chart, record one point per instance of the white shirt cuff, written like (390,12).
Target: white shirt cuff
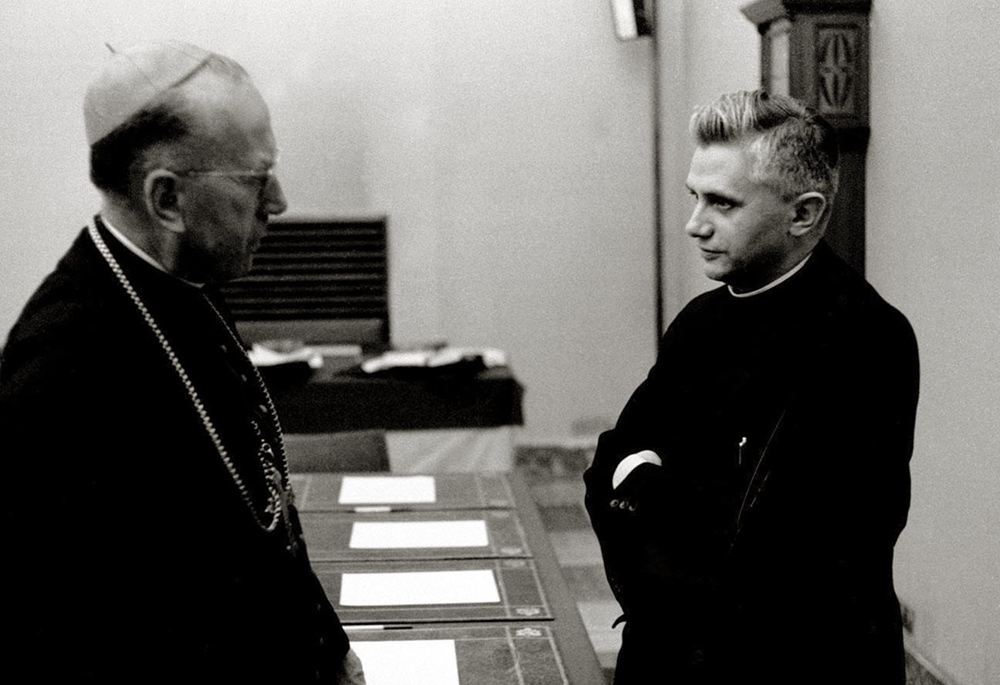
(626,465)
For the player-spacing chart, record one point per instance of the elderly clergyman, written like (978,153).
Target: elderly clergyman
(148,523)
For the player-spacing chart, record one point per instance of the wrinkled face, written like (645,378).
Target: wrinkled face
(741,225)
(230,193)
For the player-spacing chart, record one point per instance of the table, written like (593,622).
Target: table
(548,646)
(460,420)
(332,400)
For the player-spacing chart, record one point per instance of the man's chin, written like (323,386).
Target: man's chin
(231,273)
(714,273)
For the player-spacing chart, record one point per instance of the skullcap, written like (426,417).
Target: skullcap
(131,78)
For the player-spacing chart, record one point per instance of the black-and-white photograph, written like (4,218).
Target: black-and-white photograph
(481,342)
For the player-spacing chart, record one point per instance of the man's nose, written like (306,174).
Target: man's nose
(697,226)
(274,197)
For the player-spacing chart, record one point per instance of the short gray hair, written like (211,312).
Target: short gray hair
(794,148)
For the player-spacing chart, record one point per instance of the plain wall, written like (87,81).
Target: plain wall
(509,144)
(933,250)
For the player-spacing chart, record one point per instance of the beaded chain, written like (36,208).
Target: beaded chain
(276,485)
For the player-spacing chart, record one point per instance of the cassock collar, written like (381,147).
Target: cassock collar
(776,282)
(138,252)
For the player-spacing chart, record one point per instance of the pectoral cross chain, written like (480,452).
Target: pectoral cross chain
(280,498)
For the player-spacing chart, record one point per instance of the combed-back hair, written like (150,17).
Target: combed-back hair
(794,149)
(121,158)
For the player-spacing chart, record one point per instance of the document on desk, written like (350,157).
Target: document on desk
(418,534)
(408,662)
(404,588)
(387,490)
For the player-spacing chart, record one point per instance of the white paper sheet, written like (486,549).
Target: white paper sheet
(418,588)
(418,534)
(388,490)
(408,662)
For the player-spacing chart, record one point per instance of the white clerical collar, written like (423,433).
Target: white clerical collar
(138,252)
(776,282)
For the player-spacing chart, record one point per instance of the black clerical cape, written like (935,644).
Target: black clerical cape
(130,553)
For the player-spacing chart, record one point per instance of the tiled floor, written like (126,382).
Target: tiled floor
(555,478)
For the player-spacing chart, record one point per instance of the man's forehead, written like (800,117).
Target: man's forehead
(717,156)
(719,164)
(231,114)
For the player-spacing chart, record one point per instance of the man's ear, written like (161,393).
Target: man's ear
(160,191)
(810,214)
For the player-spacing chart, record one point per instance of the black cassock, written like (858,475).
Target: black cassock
(761,550)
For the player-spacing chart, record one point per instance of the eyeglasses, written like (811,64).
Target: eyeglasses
(262,176)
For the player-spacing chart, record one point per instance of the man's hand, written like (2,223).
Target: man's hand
(640,495)
(351,671)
